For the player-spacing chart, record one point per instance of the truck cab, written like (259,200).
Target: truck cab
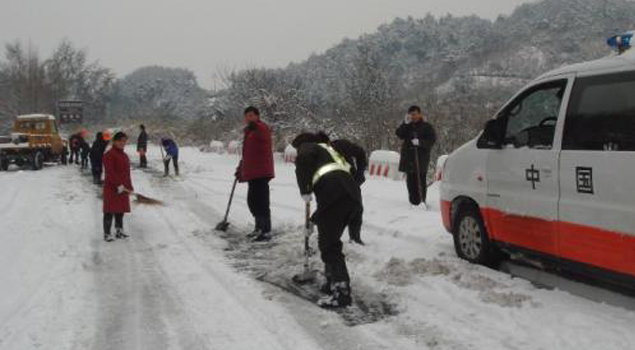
(549,179)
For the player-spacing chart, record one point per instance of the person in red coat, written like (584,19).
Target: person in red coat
(117,186)
(257,169)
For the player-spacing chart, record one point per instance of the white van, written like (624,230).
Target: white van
(552,177)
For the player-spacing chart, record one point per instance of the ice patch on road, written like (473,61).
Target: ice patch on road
(277,261)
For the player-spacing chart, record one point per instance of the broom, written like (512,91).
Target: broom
(145,199)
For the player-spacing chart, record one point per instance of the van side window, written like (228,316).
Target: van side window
(601,114)
(531,119)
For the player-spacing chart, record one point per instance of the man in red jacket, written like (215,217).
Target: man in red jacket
(257,170)
(117,186)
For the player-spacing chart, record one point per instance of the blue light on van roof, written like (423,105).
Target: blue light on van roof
(621,43)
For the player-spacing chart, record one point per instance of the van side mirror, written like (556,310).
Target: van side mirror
(493,135)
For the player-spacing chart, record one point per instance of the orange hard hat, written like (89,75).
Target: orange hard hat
(107,135)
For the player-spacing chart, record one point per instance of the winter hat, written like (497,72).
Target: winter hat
(120,136)
(304,138)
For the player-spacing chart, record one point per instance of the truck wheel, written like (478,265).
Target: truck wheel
(38,160)
(471,240)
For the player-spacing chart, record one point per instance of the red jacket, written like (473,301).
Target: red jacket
(257,153)
(117,170)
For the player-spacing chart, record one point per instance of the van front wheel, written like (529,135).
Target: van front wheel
(471,240)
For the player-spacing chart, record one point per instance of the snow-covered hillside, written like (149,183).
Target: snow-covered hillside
(177,284)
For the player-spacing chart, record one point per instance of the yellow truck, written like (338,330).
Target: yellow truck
(36,139)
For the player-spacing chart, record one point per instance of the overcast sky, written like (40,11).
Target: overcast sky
(203,35)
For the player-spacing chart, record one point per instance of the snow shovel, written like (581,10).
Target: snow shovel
(224,225)
(307,276)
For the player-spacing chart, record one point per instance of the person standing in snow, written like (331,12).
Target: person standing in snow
(171,154)
(323,171)
(355,156)
(74,145)
(85,152)
(117,187)
(96,157)
(142,147)
(418,138)
(257,169)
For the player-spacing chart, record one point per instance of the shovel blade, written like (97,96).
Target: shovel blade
(305,277)
(222,226)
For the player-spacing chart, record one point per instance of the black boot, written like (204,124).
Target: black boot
(120,234)
(326,287)
(263,237)
(340,297)
(257,230)
(108,237)
(266,224)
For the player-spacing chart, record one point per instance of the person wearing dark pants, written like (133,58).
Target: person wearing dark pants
(142,147)
(96,157)
(117,187)
(74,145)
(85,152)
(171,154)
(358,160)
(257,169)
(323,171)
(418,138)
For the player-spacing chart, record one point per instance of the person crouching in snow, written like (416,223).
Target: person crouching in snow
(320,169)
(355,155)
(171,154)
(117,186)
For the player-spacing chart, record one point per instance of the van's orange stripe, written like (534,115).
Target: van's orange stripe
(610,250)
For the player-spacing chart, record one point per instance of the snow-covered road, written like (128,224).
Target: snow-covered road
(176,284)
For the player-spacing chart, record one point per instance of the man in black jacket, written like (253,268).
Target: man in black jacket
(322,170)
(96,157)
(418,139)
(355,156)
(142,147)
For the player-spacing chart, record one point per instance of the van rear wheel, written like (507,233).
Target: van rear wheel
(471,240)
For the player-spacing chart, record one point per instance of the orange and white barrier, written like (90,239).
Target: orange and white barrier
(290,153)
(385,164)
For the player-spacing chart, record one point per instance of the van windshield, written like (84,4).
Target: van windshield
(601,115)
